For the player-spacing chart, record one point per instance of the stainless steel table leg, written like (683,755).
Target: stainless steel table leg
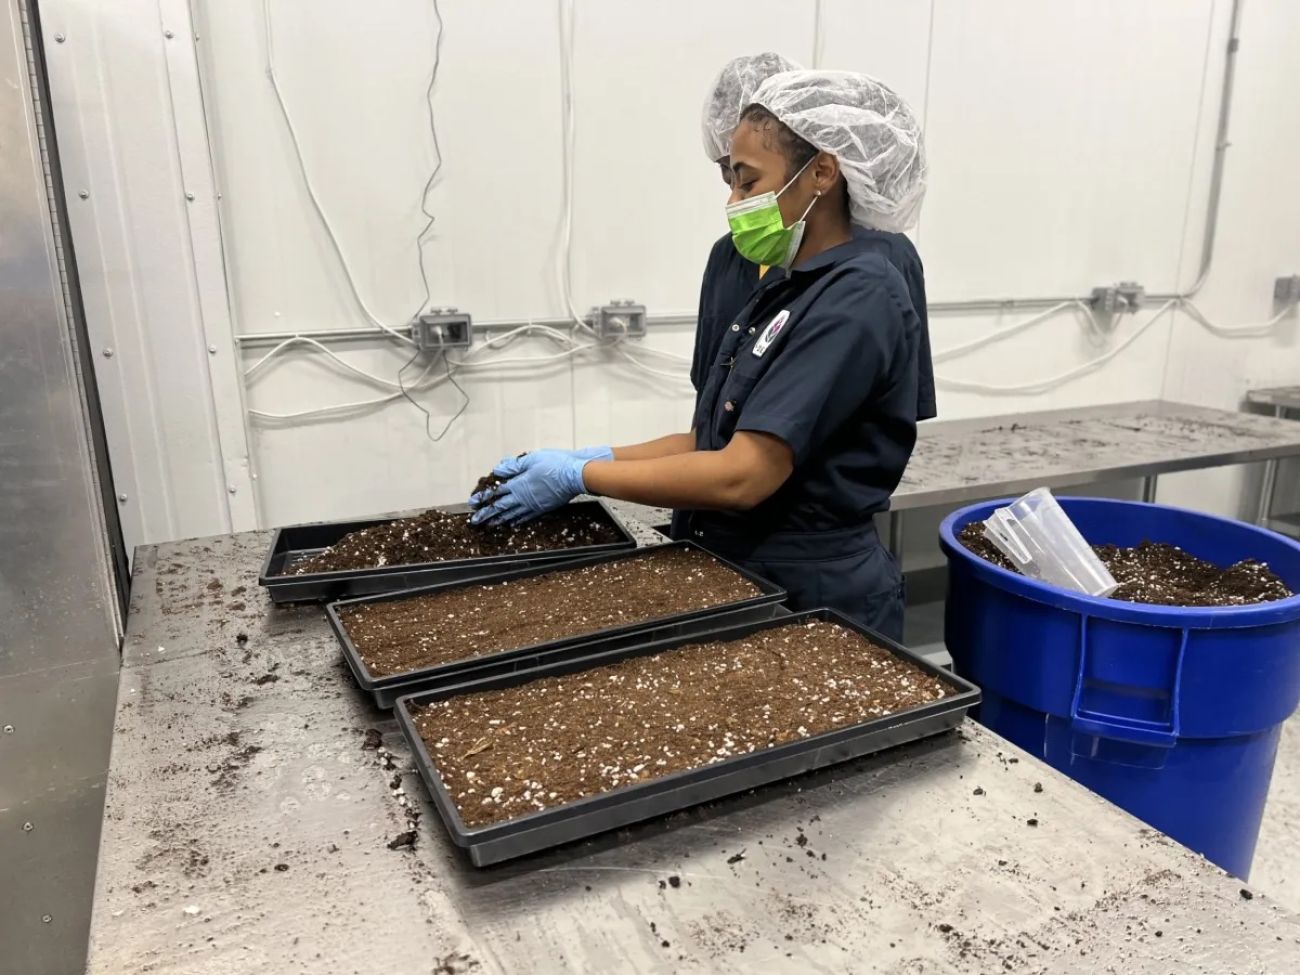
(1149,489)
(896,536)
(1268,483)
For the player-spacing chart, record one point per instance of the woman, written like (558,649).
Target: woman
(807,411)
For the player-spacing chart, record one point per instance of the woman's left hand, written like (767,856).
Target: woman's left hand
(535,484)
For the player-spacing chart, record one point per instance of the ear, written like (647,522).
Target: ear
(825,171)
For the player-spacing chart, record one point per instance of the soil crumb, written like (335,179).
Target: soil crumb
(1164,575)
(401,635)
(404,840)
(440,536)
(513,751)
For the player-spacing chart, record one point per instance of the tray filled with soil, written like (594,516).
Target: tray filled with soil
(334,560)
(1159,574)
(530,760)
(400,642)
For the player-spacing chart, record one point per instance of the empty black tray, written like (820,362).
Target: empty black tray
(291,545)
(386,690)
(630,804)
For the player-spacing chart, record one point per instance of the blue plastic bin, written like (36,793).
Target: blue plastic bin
(1171,713)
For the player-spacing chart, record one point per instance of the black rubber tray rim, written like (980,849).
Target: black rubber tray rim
(967,695)
(768,593)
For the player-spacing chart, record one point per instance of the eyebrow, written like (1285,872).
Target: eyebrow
(737,167)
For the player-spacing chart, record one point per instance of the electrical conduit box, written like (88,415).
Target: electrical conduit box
(442,328)
(623,318)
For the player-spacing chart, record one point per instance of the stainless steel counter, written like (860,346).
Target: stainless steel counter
(968,460)
(247,829)
(1279,397)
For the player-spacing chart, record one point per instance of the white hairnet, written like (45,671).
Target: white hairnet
(732,90)
(868,128)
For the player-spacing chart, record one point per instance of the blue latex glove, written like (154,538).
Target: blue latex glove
(535,484)
(592,453)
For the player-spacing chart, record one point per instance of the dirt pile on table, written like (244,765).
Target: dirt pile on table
(509,752)
(1163,575)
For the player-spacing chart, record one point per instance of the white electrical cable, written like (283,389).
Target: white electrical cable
(250,372)
(349,407)
(530,360)
(996,335)
(311,189)
(1051,382)
(650,370)
(1258,330)
(564,267)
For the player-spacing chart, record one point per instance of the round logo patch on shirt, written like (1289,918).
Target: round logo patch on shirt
(771,332)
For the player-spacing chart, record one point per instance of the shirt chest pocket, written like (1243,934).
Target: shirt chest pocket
(735,393)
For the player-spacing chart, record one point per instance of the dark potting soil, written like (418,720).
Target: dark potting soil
(402,635)
(439,536)
(508,752)
(1163,575)
(486,486)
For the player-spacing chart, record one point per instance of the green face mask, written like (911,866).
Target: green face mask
(759,232)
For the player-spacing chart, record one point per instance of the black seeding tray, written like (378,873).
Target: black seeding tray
(291,545)
(657,797)
(386,690)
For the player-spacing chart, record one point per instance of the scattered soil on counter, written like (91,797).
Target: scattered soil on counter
(401,635)
(509,752)
(1163,575)
(440,536)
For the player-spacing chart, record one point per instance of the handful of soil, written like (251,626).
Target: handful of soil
(509,752)
(1163,575)
(487,487)
(440,536)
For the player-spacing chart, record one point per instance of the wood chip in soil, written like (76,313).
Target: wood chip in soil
(441,536)
(401,635)
(1163,575)
(509,752)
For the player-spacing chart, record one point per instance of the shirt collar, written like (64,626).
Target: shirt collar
(827,258)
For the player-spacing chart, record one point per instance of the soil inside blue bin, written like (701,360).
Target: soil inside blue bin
(1163,575)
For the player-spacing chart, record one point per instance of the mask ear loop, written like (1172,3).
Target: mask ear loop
(816,196)
(798,174)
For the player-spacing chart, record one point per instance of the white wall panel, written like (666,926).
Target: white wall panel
(887,39)
(381,459)
(1069,145)
(354,77)
(1061,138)
(126,210)
(1258,240)
(648,201)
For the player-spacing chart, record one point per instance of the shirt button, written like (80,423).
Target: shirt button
(729,406)
(699,534)
(752,329)
(735,327)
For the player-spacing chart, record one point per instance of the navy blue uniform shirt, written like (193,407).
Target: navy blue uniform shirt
(730,280)
(826,358)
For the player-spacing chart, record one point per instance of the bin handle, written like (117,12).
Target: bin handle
(1121,729)
(1125,727)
